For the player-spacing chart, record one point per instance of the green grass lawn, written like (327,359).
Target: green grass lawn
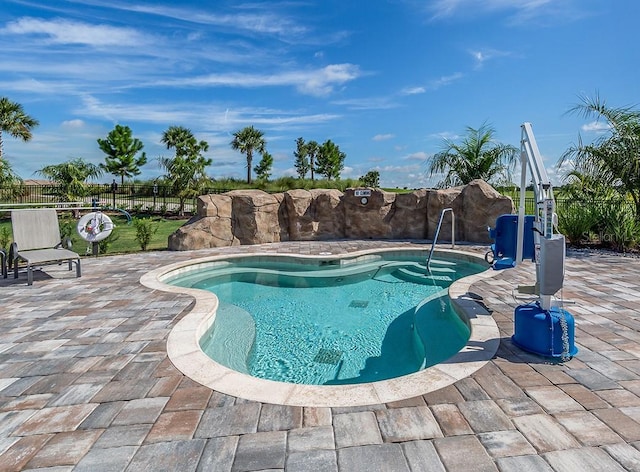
(123,235)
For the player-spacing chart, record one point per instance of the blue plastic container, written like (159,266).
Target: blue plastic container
(505,235)
(540,331)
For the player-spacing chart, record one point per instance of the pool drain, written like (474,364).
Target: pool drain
(328,356)
(359,304)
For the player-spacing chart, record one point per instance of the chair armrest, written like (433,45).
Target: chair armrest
(13,251)
(66,243)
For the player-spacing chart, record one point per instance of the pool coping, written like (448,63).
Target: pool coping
(184,350)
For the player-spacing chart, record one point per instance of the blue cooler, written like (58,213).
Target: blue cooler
(540,331)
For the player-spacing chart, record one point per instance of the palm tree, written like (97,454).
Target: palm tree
(186,171)
(70,177)
(247,140)
(613,159)
(15,121)
(476,157)
(179,138)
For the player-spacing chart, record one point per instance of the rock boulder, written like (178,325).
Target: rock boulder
(255,217)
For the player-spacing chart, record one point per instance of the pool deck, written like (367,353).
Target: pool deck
(86,384)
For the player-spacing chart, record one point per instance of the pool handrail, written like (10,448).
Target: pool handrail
(435,236)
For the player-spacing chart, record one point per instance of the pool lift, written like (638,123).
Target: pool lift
(541,327)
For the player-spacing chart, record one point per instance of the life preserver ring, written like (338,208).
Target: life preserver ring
(95,226)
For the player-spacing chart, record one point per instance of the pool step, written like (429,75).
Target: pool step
(421,277)
(409,271)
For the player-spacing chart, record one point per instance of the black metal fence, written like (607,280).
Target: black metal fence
(134,198)
(565,205)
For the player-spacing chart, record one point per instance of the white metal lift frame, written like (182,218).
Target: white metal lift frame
(545,203)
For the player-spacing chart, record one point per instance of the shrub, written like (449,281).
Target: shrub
(145,229)
(104,245)
(5,238)
(67,227)
(577,221)
(621,229)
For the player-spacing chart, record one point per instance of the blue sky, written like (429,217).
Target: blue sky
(385,80)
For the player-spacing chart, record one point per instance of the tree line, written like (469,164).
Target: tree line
(608,166)
(184,172)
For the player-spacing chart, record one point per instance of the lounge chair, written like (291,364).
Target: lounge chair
(3,263)
(36,240)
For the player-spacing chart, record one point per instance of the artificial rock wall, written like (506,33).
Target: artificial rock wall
(255,217)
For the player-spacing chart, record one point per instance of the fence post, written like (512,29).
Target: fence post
(114,188)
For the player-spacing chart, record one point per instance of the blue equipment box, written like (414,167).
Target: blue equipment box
(540,331)
(505,235)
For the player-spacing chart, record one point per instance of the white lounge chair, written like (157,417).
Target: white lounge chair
(36,240)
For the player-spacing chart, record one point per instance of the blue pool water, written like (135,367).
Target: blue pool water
(332,322)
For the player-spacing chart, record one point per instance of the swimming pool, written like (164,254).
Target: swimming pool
(332,322)
(185,351)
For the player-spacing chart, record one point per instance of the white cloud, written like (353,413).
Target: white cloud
(516,12)
(263,23)
(202,115)
(413,90)
(448,135)
(448,8)
(417,156)
(348,171)
(61,31)
(383,137)
(596,127)
(321,82)
(317,82)
(73,124)
(483,56)
(370,103)
(445,80)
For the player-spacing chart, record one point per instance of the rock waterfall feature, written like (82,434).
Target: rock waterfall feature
(244,217)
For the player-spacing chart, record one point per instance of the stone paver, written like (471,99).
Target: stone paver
(88,389)
(553,399)
(407,424)
(356,429)
(422,456)
(622,424)
(312,460)
(218,454)
(505,444)
(307,439)
(544,433)
(229,421)
(261,451)
(175,455)
(64,449)
(587,428)
(523,464)
(387,457)
(484,416)
(586,459)
(626,455)
(464,453)
(451,421)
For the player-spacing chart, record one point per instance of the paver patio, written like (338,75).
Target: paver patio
(86,385)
